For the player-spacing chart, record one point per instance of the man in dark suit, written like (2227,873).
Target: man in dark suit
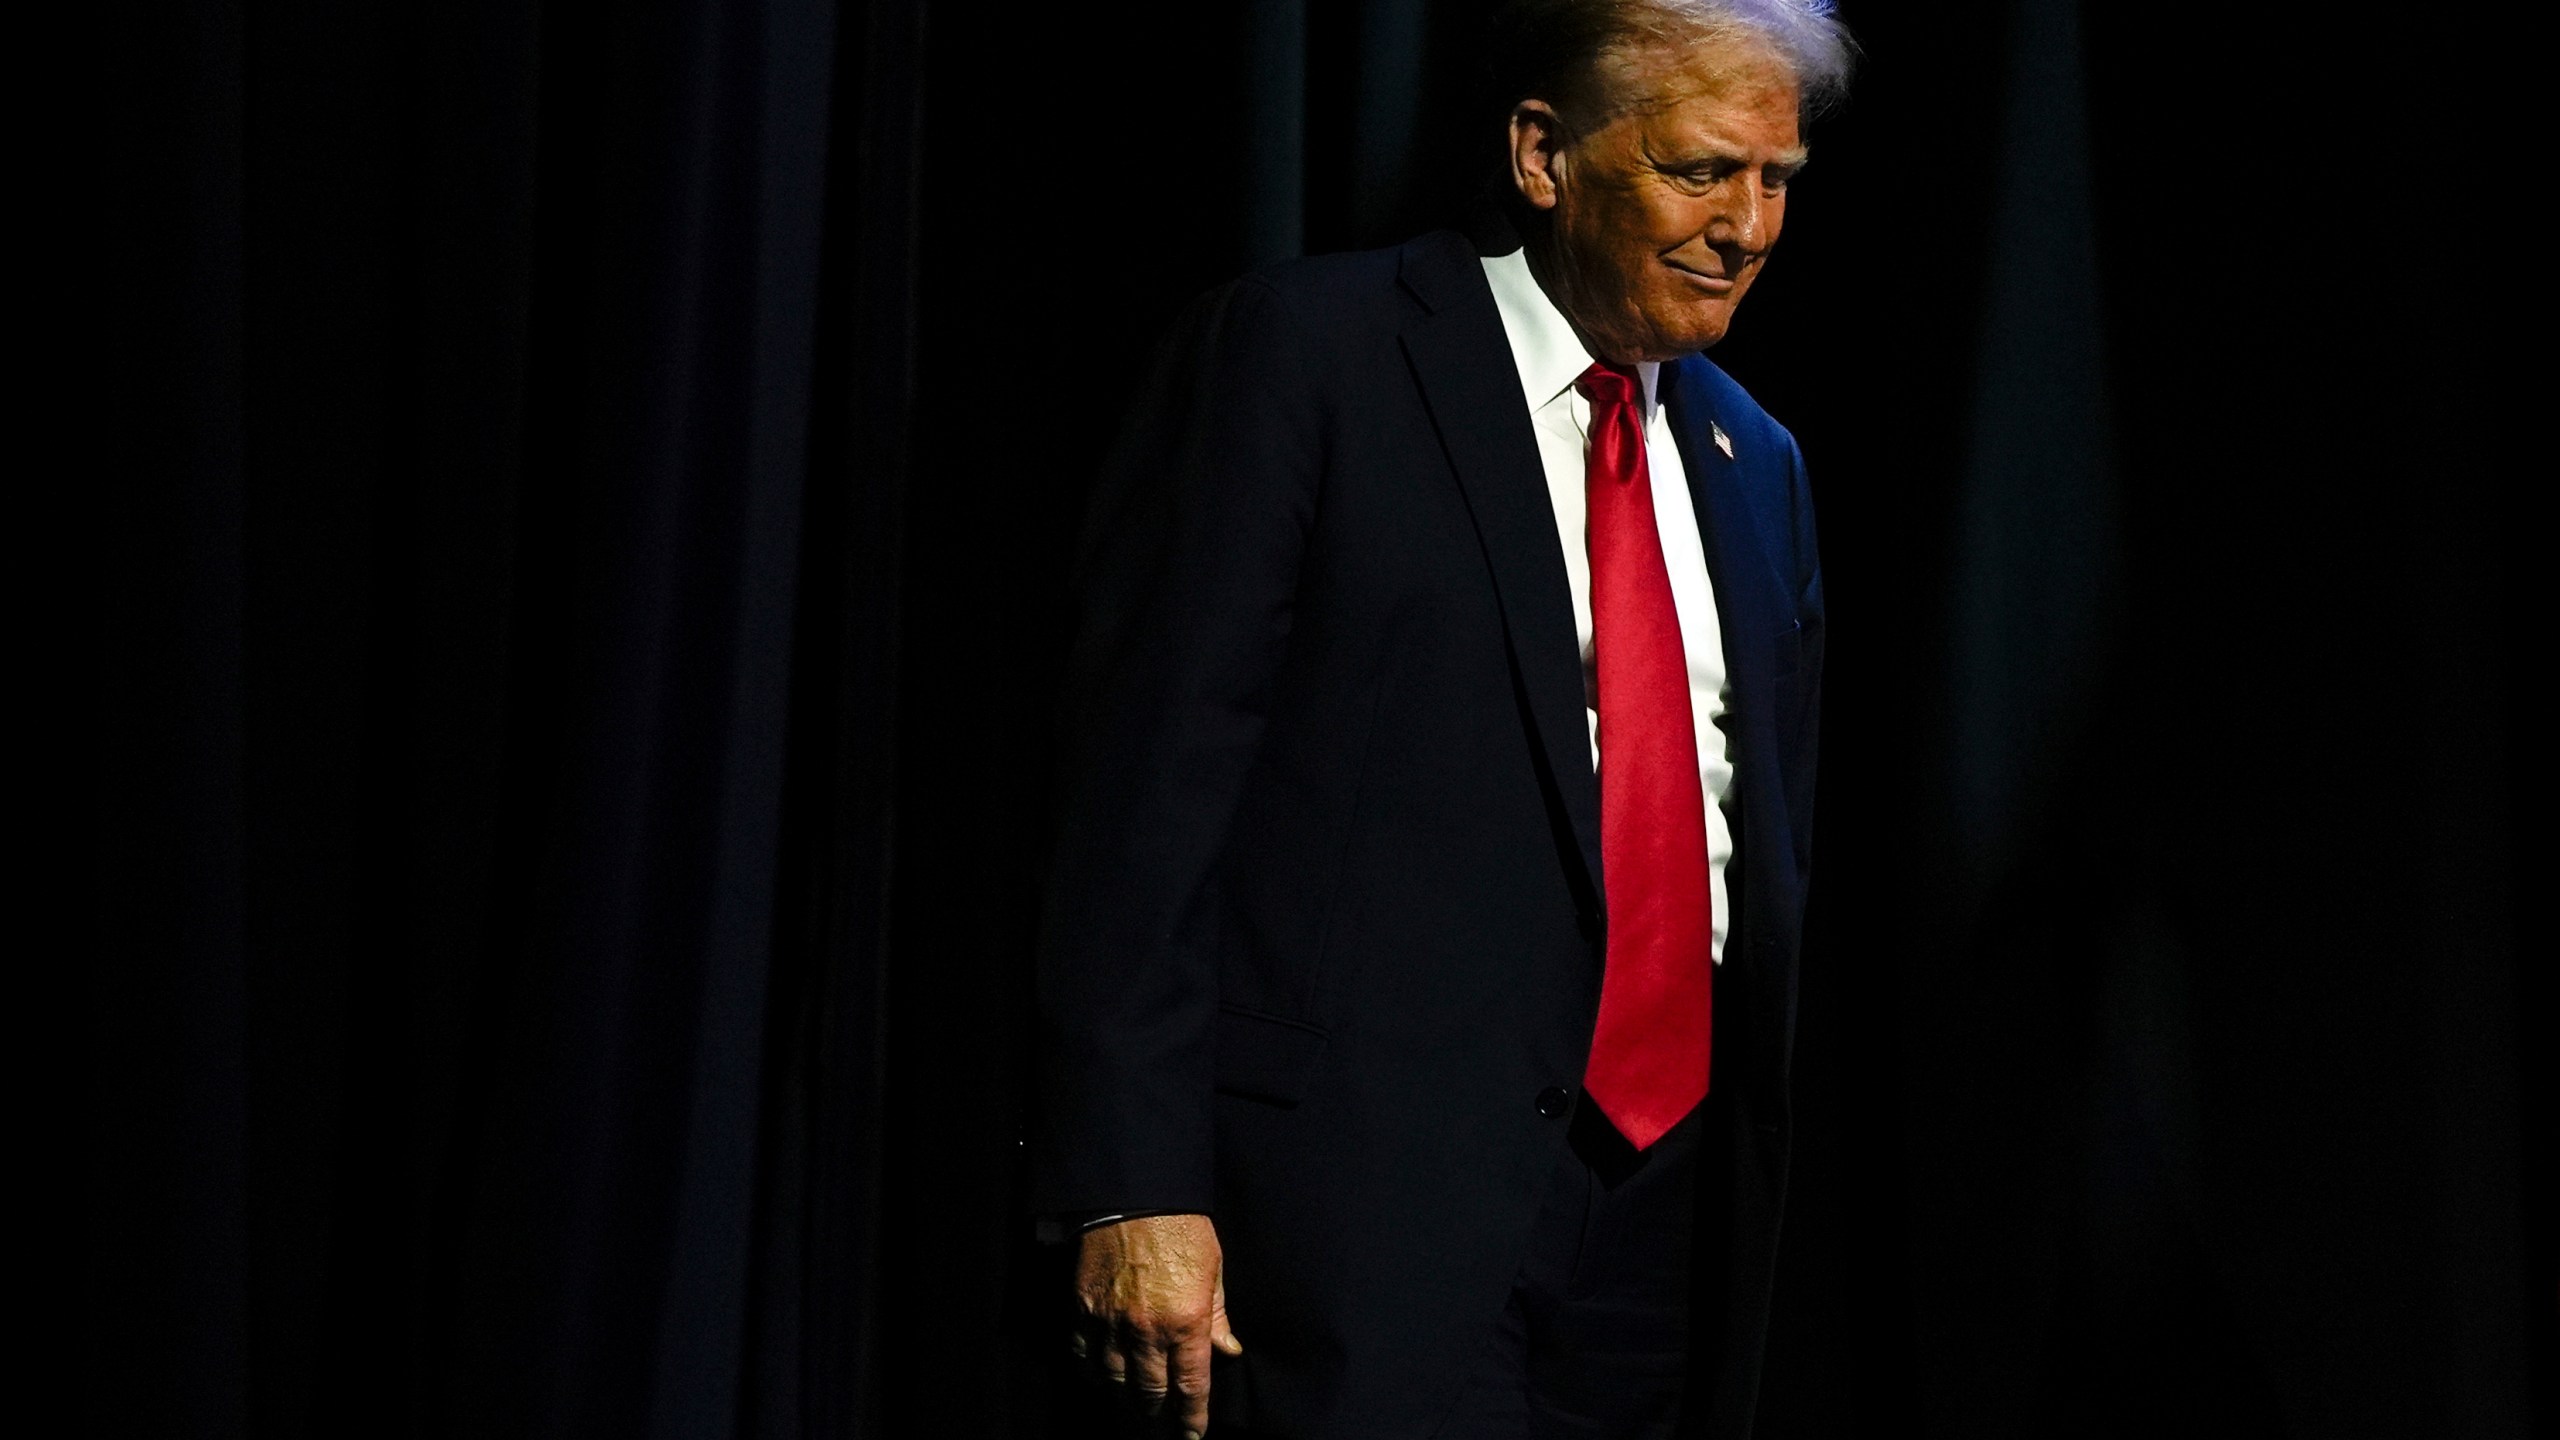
(1418,963)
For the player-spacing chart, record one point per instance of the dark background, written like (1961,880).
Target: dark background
(566,568)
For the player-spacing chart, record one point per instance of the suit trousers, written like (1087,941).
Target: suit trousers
(1594,1341)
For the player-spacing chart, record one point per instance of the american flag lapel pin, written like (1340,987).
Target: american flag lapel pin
(1724,442)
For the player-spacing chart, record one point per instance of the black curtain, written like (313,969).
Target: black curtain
(568,593)
(463,388)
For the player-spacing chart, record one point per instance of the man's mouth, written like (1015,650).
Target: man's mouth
(1712,284)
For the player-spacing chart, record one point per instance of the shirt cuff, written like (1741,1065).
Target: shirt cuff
(1059,1229)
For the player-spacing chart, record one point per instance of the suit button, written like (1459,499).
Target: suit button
(1554,1100)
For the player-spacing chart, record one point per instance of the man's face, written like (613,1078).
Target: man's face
(1664,213)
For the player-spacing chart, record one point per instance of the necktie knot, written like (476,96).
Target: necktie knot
(1609,387)
(1617,422)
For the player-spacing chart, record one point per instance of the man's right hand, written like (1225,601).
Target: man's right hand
(1154,1299)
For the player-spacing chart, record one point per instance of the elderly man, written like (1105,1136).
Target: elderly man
(1418,963)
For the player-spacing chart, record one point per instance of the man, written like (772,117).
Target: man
(1418,963)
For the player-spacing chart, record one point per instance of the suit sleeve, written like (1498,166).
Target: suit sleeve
(1186,586)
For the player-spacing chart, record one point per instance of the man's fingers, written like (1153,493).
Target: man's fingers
(1219,1333)
(1190,1379)
(1112,1362)
(1149,1382)
(1090,1341)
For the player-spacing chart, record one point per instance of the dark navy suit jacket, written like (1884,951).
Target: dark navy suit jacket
(1323,918)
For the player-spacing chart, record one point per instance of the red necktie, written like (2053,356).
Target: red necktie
(1649,1052)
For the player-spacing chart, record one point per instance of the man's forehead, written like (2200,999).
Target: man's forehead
(1713,101)
(1703,124)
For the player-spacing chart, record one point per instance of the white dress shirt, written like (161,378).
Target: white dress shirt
(1550,358)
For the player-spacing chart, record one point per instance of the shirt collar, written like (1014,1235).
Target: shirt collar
(1550,357)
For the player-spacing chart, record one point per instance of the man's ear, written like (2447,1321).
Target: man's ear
(1537,152)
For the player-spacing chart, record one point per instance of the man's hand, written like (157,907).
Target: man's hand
(1154,1296)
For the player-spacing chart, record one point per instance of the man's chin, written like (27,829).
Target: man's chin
(1690,337)
(1687,329)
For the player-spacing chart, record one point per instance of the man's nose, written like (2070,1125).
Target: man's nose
(1743,222)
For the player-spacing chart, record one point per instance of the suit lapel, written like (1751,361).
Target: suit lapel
(1463,364)
(1751,603)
